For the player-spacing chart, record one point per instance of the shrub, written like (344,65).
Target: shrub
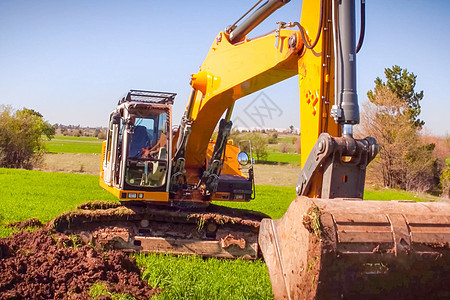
(297,146)
(21,141)
(445,182)
(259,145)
(273,139)
(284,147)
(102,135)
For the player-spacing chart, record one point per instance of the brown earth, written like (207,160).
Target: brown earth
(81,163)
(278,175)
(47,265)
(33,222)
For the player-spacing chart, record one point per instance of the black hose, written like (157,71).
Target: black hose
(363,25)
(319,31)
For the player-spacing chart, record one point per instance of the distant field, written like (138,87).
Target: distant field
(71,144)
(286,139)
(79,138)
(291,158)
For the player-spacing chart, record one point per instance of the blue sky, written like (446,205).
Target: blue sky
(72,60)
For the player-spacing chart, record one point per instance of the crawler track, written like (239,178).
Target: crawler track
(214,231)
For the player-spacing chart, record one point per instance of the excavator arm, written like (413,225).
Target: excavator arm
(329,244)
(237,66)
(229,73)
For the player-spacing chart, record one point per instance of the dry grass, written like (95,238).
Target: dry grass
(82,163)
(85,163)
(88,163)
(278,175)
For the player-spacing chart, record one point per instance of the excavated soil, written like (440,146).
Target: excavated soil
(45,264)
(92,211)
(33,222)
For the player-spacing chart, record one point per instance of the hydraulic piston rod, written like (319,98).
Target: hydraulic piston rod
(347,62)
(261,13)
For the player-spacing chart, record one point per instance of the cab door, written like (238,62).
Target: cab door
(111,157)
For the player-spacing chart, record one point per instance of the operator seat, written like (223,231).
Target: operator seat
(139,140)
(159,167)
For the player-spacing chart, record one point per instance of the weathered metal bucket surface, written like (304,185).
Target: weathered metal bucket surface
(354,249)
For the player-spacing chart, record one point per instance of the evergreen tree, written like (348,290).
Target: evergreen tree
(402,84)
(404,161)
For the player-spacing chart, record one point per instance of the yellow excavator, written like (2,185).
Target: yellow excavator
(330,244)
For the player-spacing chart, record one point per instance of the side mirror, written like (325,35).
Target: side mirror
(243,158)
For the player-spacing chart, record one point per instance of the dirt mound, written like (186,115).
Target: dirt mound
(33,222)
(104,212)
(49,265)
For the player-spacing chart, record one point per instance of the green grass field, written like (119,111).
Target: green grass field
(71,144)
(44,195)
(271,200)
(193,277)
(34,194)
(79,138)
(286,139)
(384,194)
(291,158)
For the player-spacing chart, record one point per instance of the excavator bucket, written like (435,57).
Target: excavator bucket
(355,249)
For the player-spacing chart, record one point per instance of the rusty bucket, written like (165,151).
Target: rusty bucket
(355,249)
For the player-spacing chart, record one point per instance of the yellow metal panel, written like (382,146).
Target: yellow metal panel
(231,165)
(316,78)
(116,192)
(230,72)
(147,196)
(102,159)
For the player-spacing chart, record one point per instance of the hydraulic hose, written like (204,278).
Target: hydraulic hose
(319,31)
(363,25)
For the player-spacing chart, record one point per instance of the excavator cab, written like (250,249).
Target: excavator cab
(136,156)
(147,151)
